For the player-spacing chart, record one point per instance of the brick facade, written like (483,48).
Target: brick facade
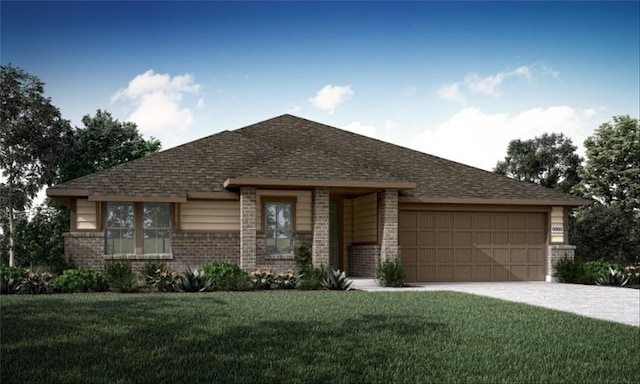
(248,225)
(363,260)
(388,214)
(85,249)
(320,248)
(555,253)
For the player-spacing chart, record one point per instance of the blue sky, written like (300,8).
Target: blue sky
(456,79)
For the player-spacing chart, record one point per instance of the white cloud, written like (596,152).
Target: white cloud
(361,129)
(157,101)
(330,96)
(390,124)
(293,109)
(479,139)
(201,103)
(489,85)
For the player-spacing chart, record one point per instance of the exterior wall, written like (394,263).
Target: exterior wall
(86,215)
(210,215)
(85,249)
(388,208)
(363,260)
(303,207)
(248,231)
(320,247)
(555,253)
(347,229)
(365,219)
(557,225)
(279,262)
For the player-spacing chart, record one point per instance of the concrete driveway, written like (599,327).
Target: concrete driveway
(621,305)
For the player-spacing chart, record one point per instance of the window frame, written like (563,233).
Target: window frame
(107,228)
(264,201)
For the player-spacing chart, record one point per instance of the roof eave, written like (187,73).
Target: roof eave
(312,183)
(575,202)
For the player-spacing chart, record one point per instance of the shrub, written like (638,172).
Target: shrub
(286,280)
(313,278)
(262,278)
(302,255)
(121,277)
(633,273)
(11,279)
(613,277)
(227,276)
(80,280)
(570,270)
(36,283)
(150,269)
(336,280)
(194,281)
(593,270)
(158,276)
(390,273)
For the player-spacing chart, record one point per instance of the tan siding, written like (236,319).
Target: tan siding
(303,207)
(347,228)
(210,215)
(557,220)
(365,219)
(86,215)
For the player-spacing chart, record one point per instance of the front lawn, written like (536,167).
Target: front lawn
(329,337)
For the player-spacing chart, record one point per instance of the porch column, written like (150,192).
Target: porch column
(320,249)
(248,228)
(389,224)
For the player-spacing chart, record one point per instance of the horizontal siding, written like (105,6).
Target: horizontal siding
(210,215)
(86,215)
(557,220)
(347,226)
(303,207)
(365,219)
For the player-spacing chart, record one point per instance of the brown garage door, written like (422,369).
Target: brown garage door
(472,246)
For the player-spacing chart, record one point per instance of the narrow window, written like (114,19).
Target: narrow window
(156,228)
(279,227)
(120,229)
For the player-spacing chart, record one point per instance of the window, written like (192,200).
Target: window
(137,228)
(278,227)
(156,228)
(120,229)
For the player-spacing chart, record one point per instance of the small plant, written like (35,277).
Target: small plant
(302,255)
(313,278)
(262,278)
(36,283)
(117,270)
(11,279)
(569,270)
(286,280)
(337,280)
(227,276)
(80,280)
(593,270)
(158,276)
(194,281)
(633,273)
(613,277)
(390,273)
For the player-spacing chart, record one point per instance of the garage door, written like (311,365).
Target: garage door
(472,246)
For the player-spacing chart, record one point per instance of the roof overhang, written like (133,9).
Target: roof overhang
(65,195)
(312,183)
(576,202)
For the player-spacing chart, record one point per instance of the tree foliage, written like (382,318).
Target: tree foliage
(549,160)
(33,137)
(104,142)
(611,174)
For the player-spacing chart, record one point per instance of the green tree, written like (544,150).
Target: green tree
(33,137)
(611,174)
(549,160)
(104,142)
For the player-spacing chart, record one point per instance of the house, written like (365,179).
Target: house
(251,195)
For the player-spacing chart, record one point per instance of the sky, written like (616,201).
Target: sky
(457,80)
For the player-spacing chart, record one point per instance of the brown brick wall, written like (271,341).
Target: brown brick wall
(248,206)
(320,226)
(388,214)
(363,260)
(555,253)
(85,249)
(278,263)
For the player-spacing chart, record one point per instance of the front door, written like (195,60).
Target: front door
(334,234)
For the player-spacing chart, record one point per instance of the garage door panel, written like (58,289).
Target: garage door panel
(473,246)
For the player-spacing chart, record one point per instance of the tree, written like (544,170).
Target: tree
(104,142)
(33,136)
(611,174)
(549,160)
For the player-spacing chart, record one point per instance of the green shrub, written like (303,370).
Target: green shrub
(80,280)
(302,255)
(158,276)
(127,283)
(194,281)
(336,280)
(11,279)
(633,273)
(390,273)
(262,278)
(570,271)
(313,278)
(227,276)
(150,269)
(593,270)
(613,277)
(36,283)
(116,270)
(286,280)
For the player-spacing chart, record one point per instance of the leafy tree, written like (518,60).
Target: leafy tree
(612,171)
(33,136)
(104,142)
(549,160)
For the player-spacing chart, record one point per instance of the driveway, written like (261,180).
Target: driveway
(621,305)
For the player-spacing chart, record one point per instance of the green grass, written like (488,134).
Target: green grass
(336,337)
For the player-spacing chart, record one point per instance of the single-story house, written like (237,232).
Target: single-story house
(251,195)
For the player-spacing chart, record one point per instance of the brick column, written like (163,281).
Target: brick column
(389,224)
(320,249)
(555,253)
(248,208)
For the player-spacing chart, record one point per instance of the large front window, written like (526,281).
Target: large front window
(138,228)
(279,227)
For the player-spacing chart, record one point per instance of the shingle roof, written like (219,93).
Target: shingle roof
(292,148)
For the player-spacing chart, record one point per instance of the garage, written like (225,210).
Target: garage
(473,246)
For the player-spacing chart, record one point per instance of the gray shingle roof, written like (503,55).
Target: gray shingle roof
(289,147)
